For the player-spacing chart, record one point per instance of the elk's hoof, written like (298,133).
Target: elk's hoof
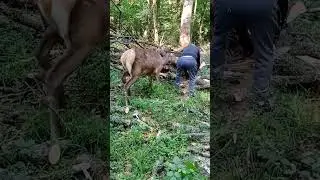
(54,154)
(126,110)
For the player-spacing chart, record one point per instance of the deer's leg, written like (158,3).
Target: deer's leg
(150,81)
(127,87)
(50,37)
(65,65)
(64,31)
(58,90)
(57,74)
(125,78)
(46,43)
(157,73)
(62,19)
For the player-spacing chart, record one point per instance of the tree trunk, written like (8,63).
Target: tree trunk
(195,8)
(186,22)
(155,21)
(200,31)
(149,18)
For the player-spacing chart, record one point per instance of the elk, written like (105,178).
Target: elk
(139,62)
(81,25)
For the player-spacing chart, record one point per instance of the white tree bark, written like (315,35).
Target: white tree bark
(185,30)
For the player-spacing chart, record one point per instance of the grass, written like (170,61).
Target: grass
(270,146)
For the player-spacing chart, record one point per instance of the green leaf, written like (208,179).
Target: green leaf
(170,173)
(176,174)
(190,165)
(176,160)
(173,178)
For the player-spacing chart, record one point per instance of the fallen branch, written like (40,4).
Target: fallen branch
(315,63)
(302,34)
(313,10)
(20,3)
(291,80)
(197,135)
(200,151)
(8,90)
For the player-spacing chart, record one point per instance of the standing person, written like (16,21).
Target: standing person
(260,18)
(189,62)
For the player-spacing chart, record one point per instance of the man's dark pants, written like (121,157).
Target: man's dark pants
(260,19)
(187,64)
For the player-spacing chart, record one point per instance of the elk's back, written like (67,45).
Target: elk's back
(148,58)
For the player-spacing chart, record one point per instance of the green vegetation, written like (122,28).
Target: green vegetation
(136,18)
(138,147)
(283,144)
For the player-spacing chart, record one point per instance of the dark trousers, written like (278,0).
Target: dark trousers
(260,19)
(189,65)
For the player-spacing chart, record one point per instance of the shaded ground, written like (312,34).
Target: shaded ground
(283,144)
(24,125)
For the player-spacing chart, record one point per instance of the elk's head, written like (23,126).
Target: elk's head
(168,55)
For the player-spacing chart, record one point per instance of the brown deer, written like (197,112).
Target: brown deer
(82,25)
(138,62)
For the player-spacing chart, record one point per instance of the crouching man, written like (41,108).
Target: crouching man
(189,62)
(260,18)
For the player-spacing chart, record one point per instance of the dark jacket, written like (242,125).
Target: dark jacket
(194,51)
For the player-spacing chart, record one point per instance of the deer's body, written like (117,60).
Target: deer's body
(85,27)
(139,62)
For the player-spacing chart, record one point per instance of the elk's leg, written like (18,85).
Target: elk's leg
(127,88)
(150,81)
(125,78)
(58,91)
(57,74)
(62,18)
(46,43)
(157,73)
(42,53)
